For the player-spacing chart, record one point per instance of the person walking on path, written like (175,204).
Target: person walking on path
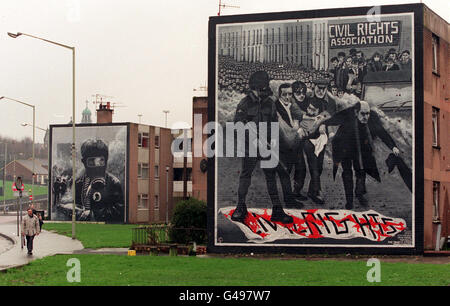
(30,229)
(37,215)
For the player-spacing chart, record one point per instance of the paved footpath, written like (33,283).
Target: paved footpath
(45,244)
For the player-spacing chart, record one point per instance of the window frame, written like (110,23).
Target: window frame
(435,54)
(142,197)
(156,169)
(143,166)
(156,203)
(436,198)
(142,136)
(435,126)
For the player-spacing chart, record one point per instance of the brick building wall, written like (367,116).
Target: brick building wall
(436,158)
(147,193)
(199,178)
(16,169)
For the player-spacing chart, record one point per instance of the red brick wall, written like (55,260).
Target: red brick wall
(199,179)
(132,170)
(436,160)
(20,171)
(165,159)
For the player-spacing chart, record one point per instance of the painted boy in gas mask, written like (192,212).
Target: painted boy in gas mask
(98,193)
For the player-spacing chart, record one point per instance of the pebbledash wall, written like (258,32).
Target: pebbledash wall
(400,218)
(139,184)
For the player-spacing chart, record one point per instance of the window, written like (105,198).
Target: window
(436,187)
(156,202)
(156,172)
(435,53)
(143,140)
(142,201)
(143,170)
(435,123)
(178,174)
(156,141)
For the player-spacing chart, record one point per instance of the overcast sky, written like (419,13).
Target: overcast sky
(148,55)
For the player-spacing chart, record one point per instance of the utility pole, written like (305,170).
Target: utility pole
(167,194)
(185,164)
(4,180)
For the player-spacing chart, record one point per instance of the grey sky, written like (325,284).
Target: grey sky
(148,55)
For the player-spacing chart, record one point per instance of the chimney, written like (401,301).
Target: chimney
(104,113)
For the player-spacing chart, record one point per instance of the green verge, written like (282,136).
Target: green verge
(117,270)
(38,189)
(95,236)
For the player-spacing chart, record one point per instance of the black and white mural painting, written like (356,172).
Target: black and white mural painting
(327,113)
(100,180)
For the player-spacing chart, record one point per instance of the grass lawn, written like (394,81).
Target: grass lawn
(114,270)
(38,189)
(95,236)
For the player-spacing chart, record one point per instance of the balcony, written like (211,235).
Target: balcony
(178,186)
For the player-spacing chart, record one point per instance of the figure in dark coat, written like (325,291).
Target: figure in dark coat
(257,106)
(99,194)
(353,148)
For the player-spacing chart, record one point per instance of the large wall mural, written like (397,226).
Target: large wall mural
(100,181)
(332,100)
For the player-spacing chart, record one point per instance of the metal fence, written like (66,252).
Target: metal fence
(156,235)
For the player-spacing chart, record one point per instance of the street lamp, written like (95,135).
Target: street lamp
(39,128)
(167,194)
(34,132)
(12,35)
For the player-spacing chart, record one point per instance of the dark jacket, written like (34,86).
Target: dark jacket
(393,68)
(353,140)
(251,109)
(405,66)
(342,77)
(109,207)
(375,66)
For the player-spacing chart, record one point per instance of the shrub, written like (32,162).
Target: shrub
(189,222)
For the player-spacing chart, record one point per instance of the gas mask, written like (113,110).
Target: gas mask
(95,171)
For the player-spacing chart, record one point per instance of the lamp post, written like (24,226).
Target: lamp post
(4,178)
(34,132)
(39,128)
(167,194)
(185,145)
(12,35)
